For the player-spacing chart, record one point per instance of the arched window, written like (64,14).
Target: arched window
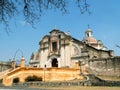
(54,46)
(76,50)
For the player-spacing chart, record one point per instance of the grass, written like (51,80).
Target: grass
(79,88)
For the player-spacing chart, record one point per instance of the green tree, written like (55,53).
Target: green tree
(32,56)
(33,78)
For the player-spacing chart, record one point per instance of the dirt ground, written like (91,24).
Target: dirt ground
(79,88)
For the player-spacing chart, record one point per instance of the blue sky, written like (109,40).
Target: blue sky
(104,21)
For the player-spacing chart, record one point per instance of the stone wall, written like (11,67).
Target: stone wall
(95,53)
(4,66)
(54,84)
(105,66)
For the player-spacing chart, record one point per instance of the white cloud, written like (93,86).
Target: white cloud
(24,23)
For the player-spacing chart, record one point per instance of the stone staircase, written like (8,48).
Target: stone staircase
(94,78)
(96,81)
(4,73)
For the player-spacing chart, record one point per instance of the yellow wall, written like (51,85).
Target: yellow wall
(48,74)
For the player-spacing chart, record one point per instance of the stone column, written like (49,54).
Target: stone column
(77,65)
(22,62)
(13,64)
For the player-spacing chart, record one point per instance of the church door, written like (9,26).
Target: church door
(54,63)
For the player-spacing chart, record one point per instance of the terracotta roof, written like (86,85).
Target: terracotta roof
(90,40)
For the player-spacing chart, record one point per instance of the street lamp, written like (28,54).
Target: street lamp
(44,71)
(14,61)
(17,52)
(80,65)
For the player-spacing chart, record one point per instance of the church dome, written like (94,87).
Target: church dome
(89,37)
(90,40)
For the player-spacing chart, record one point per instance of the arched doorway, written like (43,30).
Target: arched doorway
(54,62)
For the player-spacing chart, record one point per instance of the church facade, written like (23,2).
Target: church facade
(61,50)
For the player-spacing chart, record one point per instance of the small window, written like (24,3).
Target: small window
(54,46)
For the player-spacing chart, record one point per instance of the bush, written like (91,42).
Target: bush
(16,80)
(33,78)
(1,80)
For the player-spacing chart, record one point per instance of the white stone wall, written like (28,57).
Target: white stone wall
(67,51)
(63,55)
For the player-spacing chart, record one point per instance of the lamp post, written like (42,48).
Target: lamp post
(14,61)
(44,71)
(80,65)
(17,52)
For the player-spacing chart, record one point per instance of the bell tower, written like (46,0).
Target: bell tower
(89,32)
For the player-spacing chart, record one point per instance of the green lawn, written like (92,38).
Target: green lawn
(80,88)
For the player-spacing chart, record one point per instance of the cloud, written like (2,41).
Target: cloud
(24,23)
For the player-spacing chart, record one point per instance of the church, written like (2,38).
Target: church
(59,49)
(62,57)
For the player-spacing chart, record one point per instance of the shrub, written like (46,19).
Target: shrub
(16,80)
(1,80)
(33,78)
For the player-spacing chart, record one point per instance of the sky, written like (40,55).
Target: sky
(104,21)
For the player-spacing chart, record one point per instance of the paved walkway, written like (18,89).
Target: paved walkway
(20,88)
